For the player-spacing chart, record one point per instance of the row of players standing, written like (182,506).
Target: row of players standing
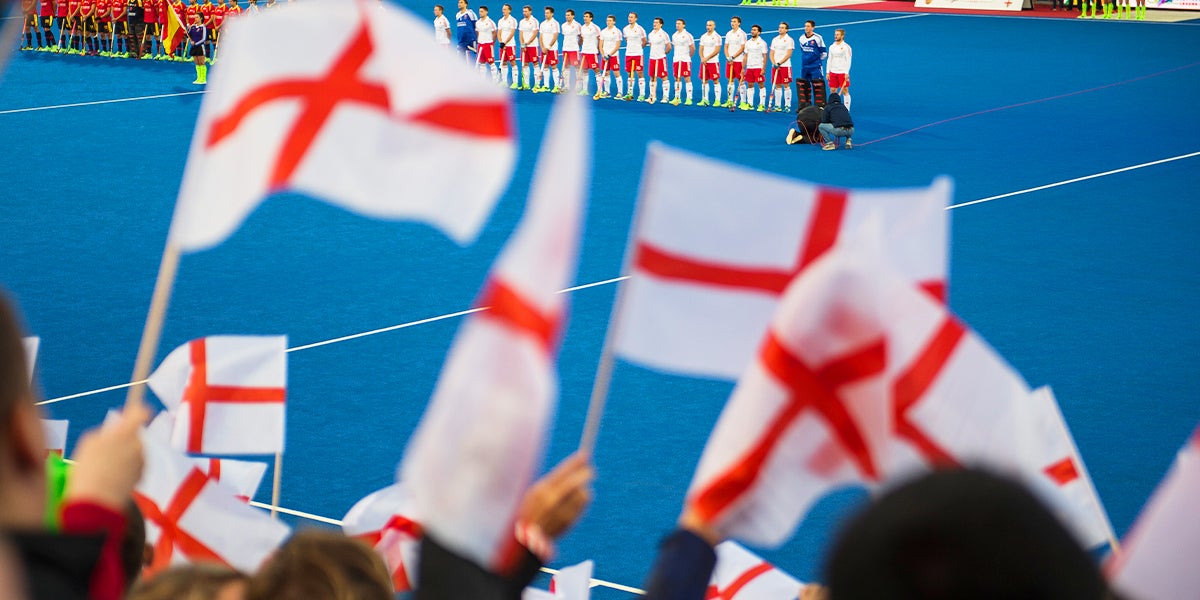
(529,45)
(122,28)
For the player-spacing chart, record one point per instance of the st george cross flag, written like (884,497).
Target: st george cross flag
(242,476)
(351,103)
(1160,551)
(481,439)
(387,521)
(569,583)
(226,394)
(31,351)
(742,575)
(192,518)
(716,244)
(860,378)
(1061,478)
(56,436)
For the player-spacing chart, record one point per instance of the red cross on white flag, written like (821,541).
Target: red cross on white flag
(861,378)
(242,476)
(387,521)
(1160,551)
(1064,483)
(709,261)
(481,439)
(56,436)
(192,518)
(31,352)
(742,575)
(351,103)
(226,393)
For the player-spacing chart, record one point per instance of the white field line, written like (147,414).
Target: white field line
(96,102)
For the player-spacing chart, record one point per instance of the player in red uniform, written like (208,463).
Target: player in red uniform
(87,24)
(46,19)
(28,22)
(188,16)
(103,26)
(206,18)
(60,16)
(218,17)
(76,23)
(120,30)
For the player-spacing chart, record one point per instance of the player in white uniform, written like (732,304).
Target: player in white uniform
(441,26)
(710,64)
(589,51)
(685,46)
(735,60)
(781,69)
(548,33)
(485,43)
(839,66)
(756,59)
(635,42)
(570,51)
(660,45)
(506,29)
(610,46)
(527,34)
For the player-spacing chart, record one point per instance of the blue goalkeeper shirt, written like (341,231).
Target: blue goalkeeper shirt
(465,19)
(812,51)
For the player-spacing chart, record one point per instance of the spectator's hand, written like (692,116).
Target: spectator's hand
(108,461)
(556,501)
(814,591)
(693,523)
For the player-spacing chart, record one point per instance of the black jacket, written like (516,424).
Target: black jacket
(444,575)
(683,568)
(56,566)
(836,113)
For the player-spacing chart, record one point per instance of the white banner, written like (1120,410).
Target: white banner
(1174,4)
(1013,5)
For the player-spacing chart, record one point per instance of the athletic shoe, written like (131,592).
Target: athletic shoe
(556,90)
(650,100)
(788,139)
(688,103)
(583,92)
(525,87)
(598,96)
(848,144)
(728,104)
(537,88)
(197,82)
(786,108)
(746,106)
(829,146)
(703,103)
(514,86)
(762,108)
(675,102)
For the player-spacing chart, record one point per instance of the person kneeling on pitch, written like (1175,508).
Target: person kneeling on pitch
(805,129)
(836,123)
(198,35)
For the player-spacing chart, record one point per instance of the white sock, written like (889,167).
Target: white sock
(602,85)
(525,74)
(742,91)
(641,87)
(716,92)
(762,91)
(504,73)
(688,85)
(787,96)
(557,78)
(666,90)
(653,91)
(545,77)
(620,85)
(677,87)
(846,100)
(775,96)
(729,89)
(704,91)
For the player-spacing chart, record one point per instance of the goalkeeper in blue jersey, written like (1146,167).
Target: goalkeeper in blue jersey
(465,21)
(811,47)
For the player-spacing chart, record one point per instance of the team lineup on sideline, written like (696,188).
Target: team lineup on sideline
(549,56)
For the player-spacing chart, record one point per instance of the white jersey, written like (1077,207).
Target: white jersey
(635,37)
(485,31)
(527,30)
(508,27)
(658,43)
(839,58)
(779,49)
(683,42)
(549,30)
(610,37)
(756,53)
(591,38)
(735,40)
(711,42)
(570,36)
(441,30)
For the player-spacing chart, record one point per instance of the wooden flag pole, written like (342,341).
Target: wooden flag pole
(278,477)
(591,427)
(152,332)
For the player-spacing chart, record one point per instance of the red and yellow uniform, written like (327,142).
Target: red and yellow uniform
(206,15)
(234,10)
(219,13)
